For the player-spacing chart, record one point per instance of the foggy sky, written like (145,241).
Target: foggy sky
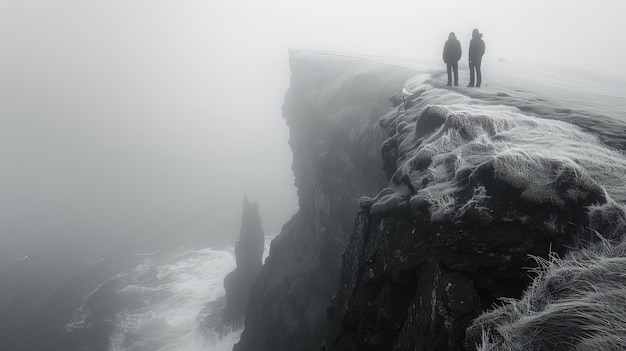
(115,109)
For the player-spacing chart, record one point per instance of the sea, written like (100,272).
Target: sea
(152,299)
(135,301)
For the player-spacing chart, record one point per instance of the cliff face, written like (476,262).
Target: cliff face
(451,195)
(475,191)
(332,109)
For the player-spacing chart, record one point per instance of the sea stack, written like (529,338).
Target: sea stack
(249,255)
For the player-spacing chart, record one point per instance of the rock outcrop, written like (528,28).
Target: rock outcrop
(332,114)
(223,315)
(248,255)
(475,192)
(467,194)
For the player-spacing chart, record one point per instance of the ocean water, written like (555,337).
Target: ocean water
(148,301)
(163,296)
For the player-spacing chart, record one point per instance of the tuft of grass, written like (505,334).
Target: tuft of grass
(575,303)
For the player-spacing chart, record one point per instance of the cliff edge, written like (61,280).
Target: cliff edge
(476,193)
(332,109)
(421,208)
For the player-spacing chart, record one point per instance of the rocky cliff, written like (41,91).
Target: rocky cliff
(248,255)
(475,194)
(419,208)
(223,315)
(332,114)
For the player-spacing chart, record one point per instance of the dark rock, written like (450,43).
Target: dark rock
(415,277)
(389,151)
(416,285)
(248,254)
(463,204)
(336,160)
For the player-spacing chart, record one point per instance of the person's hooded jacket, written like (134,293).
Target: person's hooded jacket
(476,48)
(452,49)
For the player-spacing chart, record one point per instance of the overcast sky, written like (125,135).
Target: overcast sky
(110,109)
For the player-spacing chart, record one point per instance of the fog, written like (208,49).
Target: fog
(118,111)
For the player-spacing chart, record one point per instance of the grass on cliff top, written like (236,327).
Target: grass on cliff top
(575,303)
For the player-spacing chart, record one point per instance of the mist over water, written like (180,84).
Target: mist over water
(130,132)
(170,293)
(155,302)
(115,110)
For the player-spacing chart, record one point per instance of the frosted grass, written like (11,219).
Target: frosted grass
(445,139)
(575,303)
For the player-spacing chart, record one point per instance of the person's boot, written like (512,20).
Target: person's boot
(449,84)
(470,85)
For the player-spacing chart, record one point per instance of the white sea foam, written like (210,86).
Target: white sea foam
(21,258)
(226,344)
(171,291)
(95,261)
(79,319)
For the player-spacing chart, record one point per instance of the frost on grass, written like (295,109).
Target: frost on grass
(575,303)
(454,154)
(455,159)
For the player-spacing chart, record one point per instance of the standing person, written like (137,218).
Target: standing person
(451,56)
(476,52)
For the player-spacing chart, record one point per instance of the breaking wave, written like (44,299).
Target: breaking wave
(160,302)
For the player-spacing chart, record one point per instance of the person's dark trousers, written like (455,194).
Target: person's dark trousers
(453,67)
(475,67)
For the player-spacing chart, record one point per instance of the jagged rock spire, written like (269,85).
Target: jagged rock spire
(248,255)
(249,248)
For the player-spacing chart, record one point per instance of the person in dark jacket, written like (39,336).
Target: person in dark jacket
(476,52)
(451,56)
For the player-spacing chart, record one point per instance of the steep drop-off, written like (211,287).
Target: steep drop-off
(476,190)
(332,109)
(420,208)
